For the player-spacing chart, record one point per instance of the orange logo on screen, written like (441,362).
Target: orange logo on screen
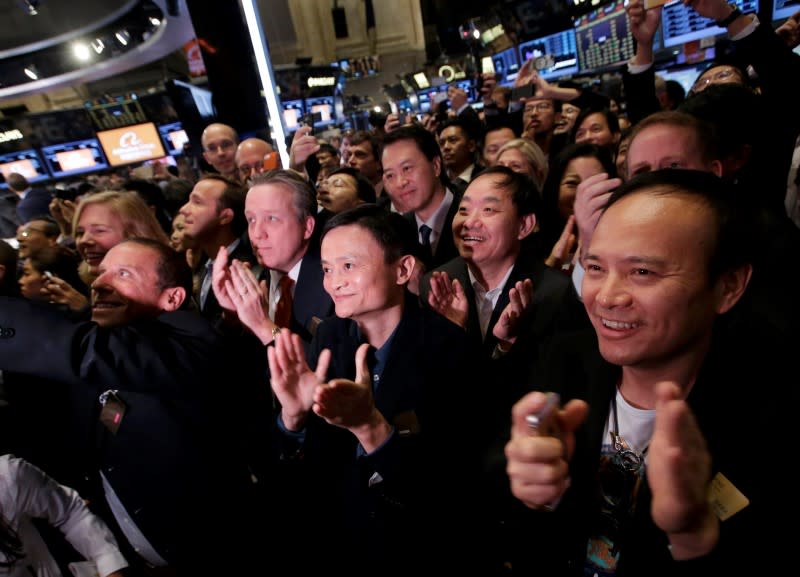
(131,144)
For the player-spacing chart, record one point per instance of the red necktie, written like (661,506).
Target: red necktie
(283,309)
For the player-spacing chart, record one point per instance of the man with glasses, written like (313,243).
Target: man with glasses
(37,234)
(219,149)
(250,157)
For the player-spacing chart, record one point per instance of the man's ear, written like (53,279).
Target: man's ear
(527,225)
(437,166)
(731,286)
(405,268)
(172,298)
(310,224)
(226,216)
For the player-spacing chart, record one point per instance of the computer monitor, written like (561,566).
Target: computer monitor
(681,24)
(684,76)
(324,106)
(554,55)
(467,86)
(603,37)
(131,144)
(293,111)
(73,158)
(174,137)
(784,8)
(506,66)
(24,162)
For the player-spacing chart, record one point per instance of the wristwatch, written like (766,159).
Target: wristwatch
(728,20)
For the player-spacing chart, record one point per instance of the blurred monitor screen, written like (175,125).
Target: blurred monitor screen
(554,55)
(324,106)
(422,80)
(603,37)
(506,66)
(71,158)
(683,76)
(784,8)
(174,137)
(293,111)
(131,144)
(681,24)
(25,162)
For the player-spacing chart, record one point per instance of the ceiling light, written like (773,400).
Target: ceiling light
(31,6)
(154,21)
(123,37)
(31,72)
(81,51)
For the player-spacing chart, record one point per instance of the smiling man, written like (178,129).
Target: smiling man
(142,380)
(652,473)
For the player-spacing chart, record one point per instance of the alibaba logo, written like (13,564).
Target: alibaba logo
(129,140)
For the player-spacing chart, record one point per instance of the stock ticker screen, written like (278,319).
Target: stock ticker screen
(603,37)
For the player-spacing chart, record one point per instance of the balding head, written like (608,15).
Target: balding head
(219,148)
(250,157)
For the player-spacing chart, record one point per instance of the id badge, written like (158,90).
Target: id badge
(113,411)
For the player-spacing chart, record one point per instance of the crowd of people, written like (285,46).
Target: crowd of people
(530,340)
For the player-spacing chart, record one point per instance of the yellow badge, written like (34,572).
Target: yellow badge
(725,499)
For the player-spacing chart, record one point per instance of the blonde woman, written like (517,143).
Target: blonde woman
(525,156)
(103,220)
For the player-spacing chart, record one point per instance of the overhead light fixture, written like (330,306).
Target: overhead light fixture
(98,45)
(155,21)
(32,7)
(123,37)
(81,51)
(31,72)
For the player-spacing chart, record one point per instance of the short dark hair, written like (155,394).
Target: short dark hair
(173,270)
(374,140)
(524,193)
(465,127)
(735,229)
(612,120)
(364,188)
(392,231)
(232,196)
(8,258)
(425,141)
(329,148)
(62,262)
(50,228)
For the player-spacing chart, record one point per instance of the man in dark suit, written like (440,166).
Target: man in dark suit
(214,219)
(163,462)
(495,290)
(281,209)
(33,202)
(415,180)
(372,427)
(459,146)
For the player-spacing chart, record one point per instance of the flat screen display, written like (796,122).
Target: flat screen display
(293,111)
(681,24)
(130,144)
(603,37)
(72,158)
(25,162)
(324,106)
(506,66)
(554,55)
(174,137)
(784,8)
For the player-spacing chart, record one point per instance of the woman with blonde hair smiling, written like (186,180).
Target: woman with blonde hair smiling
(101,221)
(522,155)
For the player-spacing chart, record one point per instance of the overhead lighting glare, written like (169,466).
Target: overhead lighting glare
(31,72)
(123,37)
(32,6)
(81,51)
(98,45)
(155,21)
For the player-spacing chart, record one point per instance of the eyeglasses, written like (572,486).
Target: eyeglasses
(221,147)
(248,169)
(720,77)
(539,107)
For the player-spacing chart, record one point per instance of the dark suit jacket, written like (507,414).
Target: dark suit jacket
(9,219)
(36,203)
(243,252)
(446,248)
(510,372)
(391,501)
(176,461)
(749,543)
